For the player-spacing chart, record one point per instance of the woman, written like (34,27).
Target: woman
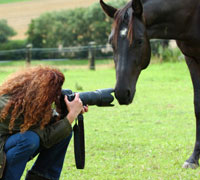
(29,126)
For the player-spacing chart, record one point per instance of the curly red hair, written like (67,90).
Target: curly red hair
(32,92)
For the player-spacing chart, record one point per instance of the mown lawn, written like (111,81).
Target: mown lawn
(59,62)
(147,140)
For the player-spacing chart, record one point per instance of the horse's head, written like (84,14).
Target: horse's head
(130,46)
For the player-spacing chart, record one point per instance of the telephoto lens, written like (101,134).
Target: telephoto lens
(100,97)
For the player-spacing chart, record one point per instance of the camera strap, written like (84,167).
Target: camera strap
(79,143)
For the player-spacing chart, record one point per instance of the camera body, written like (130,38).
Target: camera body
(100,97)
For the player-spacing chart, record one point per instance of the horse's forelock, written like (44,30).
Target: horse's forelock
(120,16)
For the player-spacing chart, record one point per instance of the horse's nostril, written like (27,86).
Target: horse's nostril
(128,93)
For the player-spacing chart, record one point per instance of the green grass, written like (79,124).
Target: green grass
(147,140)
(11,1)
(63,62)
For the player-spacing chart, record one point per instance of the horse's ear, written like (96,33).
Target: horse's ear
(109,10)
(137,7)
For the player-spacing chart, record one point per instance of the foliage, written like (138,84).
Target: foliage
(162,51)
(13,54)
(13,44)
(5,31)
(156,43)
(170,54)
(71,27)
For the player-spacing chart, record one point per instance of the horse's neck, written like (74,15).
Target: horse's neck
(172,19)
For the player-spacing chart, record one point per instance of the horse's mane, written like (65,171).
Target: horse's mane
(120,16)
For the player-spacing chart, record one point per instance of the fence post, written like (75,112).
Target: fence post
(28,54)
(91,55)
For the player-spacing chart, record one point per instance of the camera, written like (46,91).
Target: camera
(100,97)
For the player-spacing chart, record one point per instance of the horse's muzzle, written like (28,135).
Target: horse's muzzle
(125,96)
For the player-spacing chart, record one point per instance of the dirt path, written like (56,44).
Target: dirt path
(19,15)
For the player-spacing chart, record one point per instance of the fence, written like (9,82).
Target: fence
(53,53)
(91,52)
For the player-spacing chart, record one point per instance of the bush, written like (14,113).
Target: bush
(5,31)
(156,44)
(72,27)
(13,44)
(170,54)
(14,55)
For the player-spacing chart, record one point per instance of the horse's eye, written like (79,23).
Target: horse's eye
(138,42)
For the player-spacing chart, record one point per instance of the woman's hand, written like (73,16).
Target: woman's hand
(84,109)
(74,108)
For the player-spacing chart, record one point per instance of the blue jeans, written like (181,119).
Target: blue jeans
(19,149)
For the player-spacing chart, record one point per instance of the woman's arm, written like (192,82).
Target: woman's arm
(55,132)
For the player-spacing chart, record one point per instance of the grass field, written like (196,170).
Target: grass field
(147,140)
(12,1)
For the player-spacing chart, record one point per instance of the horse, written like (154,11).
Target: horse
(133,27)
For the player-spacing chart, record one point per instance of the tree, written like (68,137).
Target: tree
(75,27)
(5,31)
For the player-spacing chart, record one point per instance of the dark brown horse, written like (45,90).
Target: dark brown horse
(142,20)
